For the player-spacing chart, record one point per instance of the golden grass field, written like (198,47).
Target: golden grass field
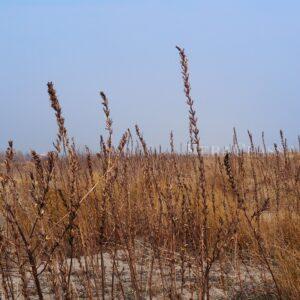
(134,223)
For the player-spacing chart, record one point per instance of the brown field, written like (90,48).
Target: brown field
(134,223)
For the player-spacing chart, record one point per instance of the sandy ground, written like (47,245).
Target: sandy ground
(246,282)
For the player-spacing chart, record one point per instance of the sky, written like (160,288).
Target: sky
(244,62)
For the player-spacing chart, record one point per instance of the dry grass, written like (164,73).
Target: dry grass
(131,223)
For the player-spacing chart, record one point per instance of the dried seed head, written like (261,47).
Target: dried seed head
(62,133)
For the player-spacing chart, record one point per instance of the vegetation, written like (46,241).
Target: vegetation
(133,223)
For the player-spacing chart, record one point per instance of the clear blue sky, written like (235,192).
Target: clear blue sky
(244,62)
